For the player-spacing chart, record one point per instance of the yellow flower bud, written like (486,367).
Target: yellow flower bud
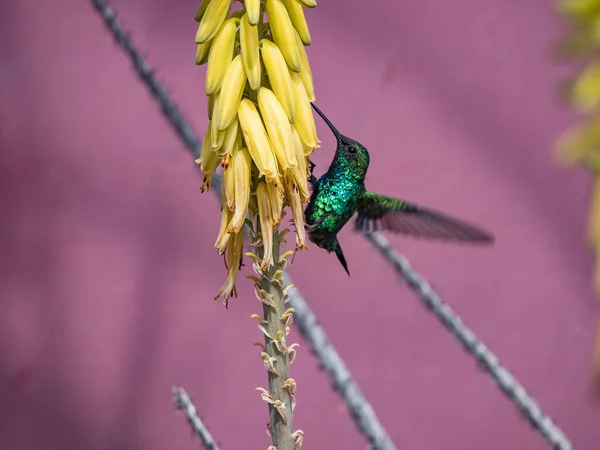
(283,33)
(213,18)
(201,10)
(256,139)
(305,73)
(202,52)
(305,121)
(294,9)
(221,55)
(250,53)
(278,128)
(231,93)
(253,11)
(279,76)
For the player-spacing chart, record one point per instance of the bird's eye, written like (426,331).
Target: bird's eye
(352,150)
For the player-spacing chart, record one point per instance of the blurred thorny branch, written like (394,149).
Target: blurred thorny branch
(581,144)
(306,321)
(184,403)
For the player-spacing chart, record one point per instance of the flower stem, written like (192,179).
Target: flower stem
(281,430)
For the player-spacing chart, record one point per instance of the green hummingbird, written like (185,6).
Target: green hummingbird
(341,192)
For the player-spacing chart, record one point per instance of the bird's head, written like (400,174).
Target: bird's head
(349,154)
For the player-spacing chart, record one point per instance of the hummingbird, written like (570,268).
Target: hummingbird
(340,193)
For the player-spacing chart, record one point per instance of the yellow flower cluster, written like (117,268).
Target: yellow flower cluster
(261,129)
(581,144)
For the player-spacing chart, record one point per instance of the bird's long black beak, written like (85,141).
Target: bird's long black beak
(336,133)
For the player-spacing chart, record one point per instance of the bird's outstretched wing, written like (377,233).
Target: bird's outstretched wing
(378,213)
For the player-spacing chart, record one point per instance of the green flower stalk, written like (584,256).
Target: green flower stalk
(261,131)
(581,144)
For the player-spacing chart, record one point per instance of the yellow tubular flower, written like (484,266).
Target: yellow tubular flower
(278,128)
(241,182)
(232,90)
(276,200)
(230,143)
(202,52)
(294,9)
(216,135)
(295,202)
(228,189)
(223,236)
(249,51)
(256,139)
(301,173)
(266,224)
(305,121)
(307,150)
(221,54)
(208,161)
(235,253)
(283,33)
(305,73)
(279,76)
(213,18)
(253,11)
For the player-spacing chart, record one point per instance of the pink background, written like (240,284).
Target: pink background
(107,266)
